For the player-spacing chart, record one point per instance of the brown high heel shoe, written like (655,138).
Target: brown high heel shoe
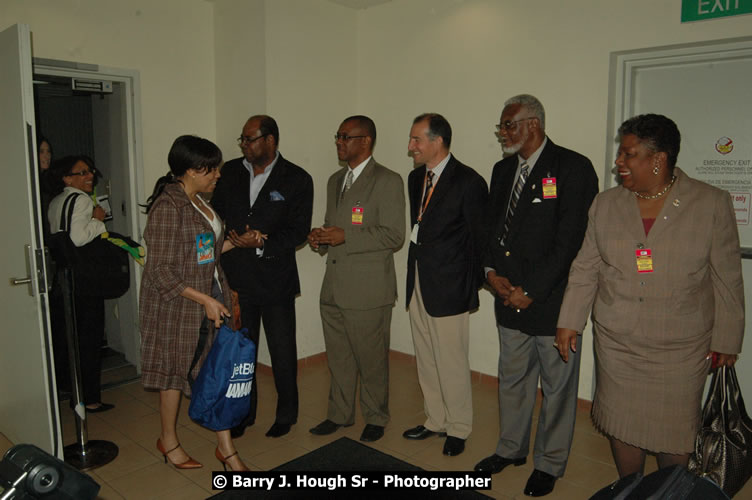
(224,460)
(188,464)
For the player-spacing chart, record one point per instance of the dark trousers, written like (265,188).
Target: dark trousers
(90,329)
(279,326)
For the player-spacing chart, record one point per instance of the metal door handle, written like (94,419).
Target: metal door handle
(20,281)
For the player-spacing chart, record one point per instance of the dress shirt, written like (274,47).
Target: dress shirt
(356,172)
(257,182)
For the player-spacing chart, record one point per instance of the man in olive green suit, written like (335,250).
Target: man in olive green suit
(363,226)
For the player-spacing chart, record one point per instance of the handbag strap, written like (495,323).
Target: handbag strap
(203,336)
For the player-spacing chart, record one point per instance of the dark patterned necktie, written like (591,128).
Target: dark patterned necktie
(524,171)
(429,185)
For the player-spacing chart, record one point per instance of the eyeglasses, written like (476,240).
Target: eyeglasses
(511,125)
(345,137)
(82,173)
(244,139)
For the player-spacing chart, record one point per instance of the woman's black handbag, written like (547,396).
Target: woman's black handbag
(723,447)
(100,269)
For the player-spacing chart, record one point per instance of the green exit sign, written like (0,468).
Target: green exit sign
(699,10)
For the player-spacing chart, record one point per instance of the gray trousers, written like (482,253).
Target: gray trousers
(523,359)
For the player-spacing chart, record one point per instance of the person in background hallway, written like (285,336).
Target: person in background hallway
(266,202)
(182,284)
(537,215)
(364,225)
(444,273)
(660,268)
(74,176)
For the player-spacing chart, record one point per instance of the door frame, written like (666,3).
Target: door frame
(625,64)
(130,79)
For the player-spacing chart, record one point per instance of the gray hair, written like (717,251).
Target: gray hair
(532,104)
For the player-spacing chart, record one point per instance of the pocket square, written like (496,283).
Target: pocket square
(276,196)
(537,200)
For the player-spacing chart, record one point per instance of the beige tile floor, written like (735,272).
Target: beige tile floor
(139,472)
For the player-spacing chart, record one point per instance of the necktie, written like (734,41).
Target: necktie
(348,183)
(429,185)
(524,171)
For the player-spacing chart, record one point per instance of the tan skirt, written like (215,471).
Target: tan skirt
(649,388)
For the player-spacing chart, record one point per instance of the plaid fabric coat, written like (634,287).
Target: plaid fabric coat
(169,322)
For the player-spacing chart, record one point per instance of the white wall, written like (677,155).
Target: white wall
(206,66)
(464,58)
(170,42)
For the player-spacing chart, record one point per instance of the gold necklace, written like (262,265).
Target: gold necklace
(657,195)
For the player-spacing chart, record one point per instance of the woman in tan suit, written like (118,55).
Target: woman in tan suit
(661,269)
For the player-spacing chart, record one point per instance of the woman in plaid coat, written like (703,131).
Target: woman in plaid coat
(182,283)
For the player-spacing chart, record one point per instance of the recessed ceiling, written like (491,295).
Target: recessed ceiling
(359,4)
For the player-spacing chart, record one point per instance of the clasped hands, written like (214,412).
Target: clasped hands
(251,238)
(512,296)
(331,236)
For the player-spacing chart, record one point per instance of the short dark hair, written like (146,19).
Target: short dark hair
(267,126)
(63,167)
(187,152)
(369,128)
(659,133)
(438,126)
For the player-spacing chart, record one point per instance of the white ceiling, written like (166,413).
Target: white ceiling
(359,4)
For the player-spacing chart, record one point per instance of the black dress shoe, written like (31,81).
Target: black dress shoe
(540,483)
(239,429)
(453,446)
(372,433)
(326,427)
(277,430)
(496,463)
(102,407)
(420,432)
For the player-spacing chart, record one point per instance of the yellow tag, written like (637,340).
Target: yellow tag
(644,260)
(357,215)
(549,188)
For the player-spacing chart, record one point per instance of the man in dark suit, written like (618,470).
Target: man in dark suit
(536,216)
(266,203)
(363,227)
(443,276)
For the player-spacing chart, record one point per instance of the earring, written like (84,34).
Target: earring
(656,170)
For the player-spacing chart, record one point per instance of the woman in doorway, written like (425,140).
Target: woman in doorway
(73,179)
(182,283)
(660,267)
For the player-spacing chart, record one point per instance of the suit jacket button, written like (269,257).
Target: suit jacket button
(507,253)
(334,261)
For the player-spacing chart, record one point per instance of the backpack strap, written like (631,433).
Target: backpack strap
(68,204)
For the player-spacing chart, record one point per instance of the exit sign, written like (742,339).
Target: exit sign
(699,10)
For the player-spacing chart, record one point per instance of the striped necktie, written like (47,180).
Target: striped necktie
(524,172)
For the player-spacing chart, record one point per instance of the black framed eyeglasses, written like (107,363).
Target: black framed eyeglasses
(345,137)
(82,173)
(244,139)
(512,124)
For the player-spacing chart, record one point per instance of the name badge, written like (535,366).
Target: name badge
(644,260)
(357,215)
(549,188)
(205,248)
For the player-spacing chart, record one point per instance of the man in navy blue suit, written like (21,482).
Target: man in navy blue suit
(266,203)
(443,276)
(536,217)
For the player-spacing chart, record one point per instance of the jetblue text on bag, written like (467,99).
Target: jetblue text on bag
(221,392)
